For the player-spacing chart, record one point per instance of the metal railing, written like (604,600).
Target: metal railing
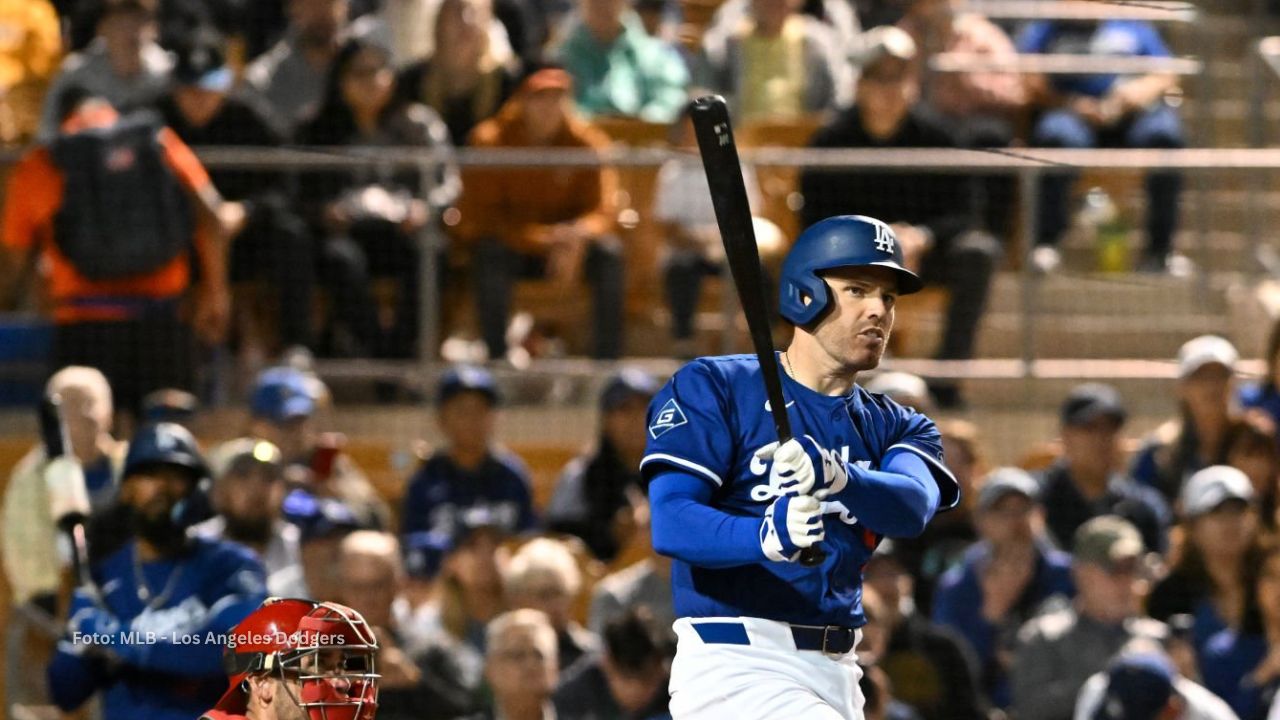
(1028,166)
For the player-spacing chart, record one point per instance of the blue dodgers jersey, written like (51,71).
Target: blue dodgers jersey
(709,420)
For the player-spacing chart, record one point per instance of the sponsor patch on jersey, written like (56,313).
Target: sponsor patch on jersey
(668,418)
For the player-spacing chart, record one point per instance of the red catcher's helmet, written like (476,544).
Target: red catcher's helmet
(328,649)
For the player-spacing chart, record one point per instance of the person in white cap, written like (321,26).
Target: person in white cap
(1209,580)
(1196,438)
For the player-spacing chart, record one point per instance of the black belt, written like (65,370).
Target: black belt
(832,639)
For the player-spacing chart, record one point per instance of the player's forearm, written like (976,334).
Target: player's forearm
(686,528)
(898,501)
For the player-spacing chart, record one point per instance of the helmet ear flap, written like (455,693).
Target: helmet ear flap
(794,293)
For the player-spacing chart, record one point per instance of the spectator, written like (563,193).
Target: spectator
(1143,684)
(693,251)
(618,68)
(1243,665)
(1264,395)
(205,110)
(160,582)
(542,223)
(418,681)
(290,77)
(31,564)
(282,409)
(628,680)
(471,473)
(929,667)
(596,493)
(1088,481)
(1058,650)
(29,55)
(1196,438)
(929,212)
(1209,577)
(115,240)
(248,495)
(948,536)
(544,575)
(521,666)
(123,65)
(322,524)
(468,594)
(877,690)
(643,584)
(1251,448)
(370,217)
(981,105)
(837,16)
(1083,111)
(779,64)
(467,79)
(1005,577)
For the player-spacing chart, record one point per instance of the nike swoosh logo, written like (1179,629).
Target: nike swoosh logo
(769,408)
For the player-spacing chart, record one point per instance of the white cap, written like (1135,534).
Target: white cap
(1212,486)
(902,387)
(1206,349)
(883,41)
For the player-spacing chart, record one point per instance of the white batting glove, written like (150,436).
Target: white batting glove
(791,524)
(798,465)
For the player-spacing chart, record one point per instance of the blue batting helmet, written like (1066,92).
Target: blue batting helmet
(165,443)
(841,241)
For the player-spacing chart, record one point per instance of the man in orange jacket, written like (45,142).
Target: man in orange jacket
(542,222)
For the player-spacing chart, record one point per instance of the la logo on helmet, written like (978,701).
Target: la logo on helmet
(884,238)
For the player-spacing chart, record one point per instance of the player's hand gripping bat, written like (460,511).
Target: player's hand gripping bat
(710,116)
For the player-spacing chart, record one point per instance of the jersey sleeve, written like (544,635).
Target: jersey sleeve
(689,428)
(915,433)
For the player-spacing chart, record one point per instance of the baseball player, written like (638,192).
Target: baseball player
(300,660)
(139,632)
(761,634)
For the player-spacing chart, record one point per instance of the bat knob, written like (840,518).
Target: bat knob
(812,556)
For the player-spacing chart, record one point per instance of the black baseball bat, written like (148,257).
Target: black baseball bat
(711,125)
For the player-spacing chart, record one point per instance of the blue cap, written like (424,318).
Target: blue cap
(1139,686)
(467,378)
(627,383)
(318,517)
(281,394)
(425,550)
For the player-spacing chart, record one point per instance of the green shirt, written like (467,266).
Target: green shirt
(636,75)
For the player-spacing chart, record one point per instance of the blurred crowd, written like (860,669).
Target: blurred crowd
(1107,576)
(121,232)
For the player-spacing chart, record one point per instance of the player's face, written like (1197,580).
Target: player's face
(856,330)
